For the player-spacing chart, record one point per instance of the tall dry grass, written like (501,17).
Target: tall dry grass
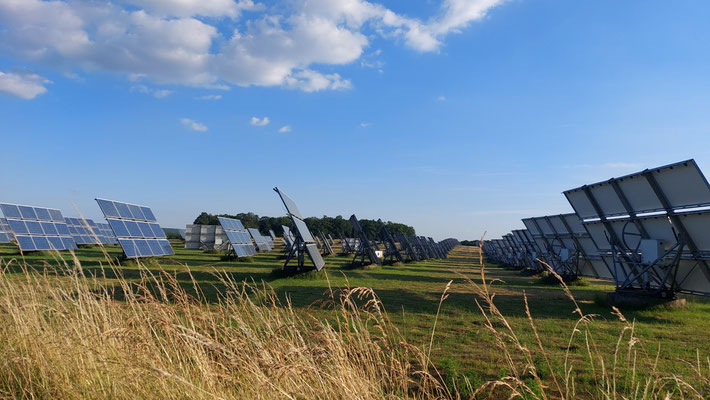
(68,338)
(65,335)
(630,372)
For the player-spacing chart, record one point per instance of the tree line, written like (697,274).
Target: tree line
(327,225)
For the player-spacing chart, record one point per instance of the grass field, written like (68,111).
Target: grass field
(470,338)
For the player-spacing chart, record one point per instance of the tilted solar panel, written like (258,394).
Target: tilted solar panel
(289,204)
(38,228)
(649,229)
(261,243)
(136,229)
(86,231)
(238,236)
(303,241)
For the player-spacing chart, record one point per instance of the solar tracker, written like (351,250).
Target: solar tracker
(272,234)
(261,243)
(205,237)
(651,228)
(104,232)
(326,244)
(290,205)
(303,240)
(392,253)
(238,236)
(86,231)
(365,250)
(288,237)
(136,229)
(38,228)
(5,231)
(418,248)
(427,247)
(344,243)
(407,247)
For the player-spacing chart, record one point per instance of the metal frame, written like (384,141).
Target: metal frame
(392,254)
(365,249)
(637,267)
(301,246)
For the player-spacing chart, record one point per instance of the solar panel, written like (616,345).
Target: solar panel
(136,229)
(650,228)
(38,228)
(303,241)
(238,236)
(107,233)
(272,234)
(205,237)
(86,231)
(288,237)
(291,208)
(261,243)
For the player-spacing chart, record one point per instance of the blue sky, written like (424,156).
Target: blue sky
(456,117)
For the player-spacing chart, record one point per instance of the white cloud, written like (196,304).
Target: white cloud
(259,122)
(365,124)
(285,128)
(164,42)
(441,98)
(23,85)
(194,125)
(209,97)
(312,81)
(189,8)
(157,93)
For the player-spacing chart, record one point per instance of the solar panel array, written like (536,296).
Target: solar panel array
(38,228)
(5,231)
(86,231)
(238,236)
(648,232)
(304,241)
(262,243)
(205,237)
(136,229)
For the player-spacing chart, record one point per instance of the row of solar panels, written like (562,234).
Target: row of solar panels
(52,235)
(132,226)
(136,229)
(647,231)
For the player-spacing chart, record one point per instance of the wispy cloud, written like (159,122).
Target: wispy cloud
(441,98)
(194,125)
(157,93)
(365,124)
(24,85)
(285,128)
(209,97)
(259,122)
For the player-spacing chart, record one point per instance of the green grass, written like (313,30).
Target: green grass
(463,348)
